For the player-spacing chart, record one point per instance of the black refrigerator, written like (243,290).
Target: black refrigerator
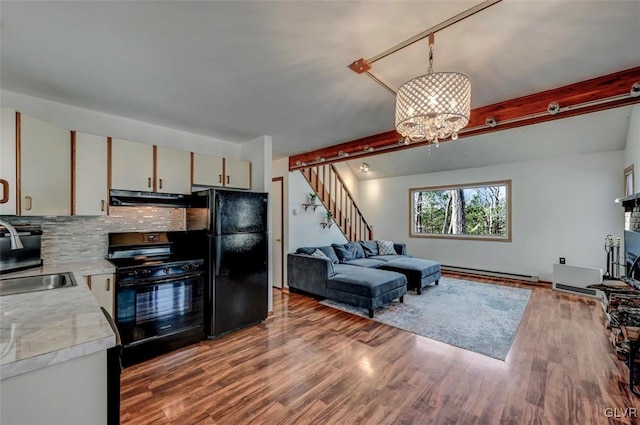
(237,240)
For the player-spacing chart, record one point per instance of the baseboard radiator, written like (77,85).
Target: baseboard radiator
(574,280)
(479,272)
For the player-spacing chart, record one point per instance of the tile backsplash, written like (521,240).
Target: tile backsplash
(85,238)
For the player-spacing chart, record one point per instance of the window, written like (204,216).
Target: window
(480,211)
(628,181)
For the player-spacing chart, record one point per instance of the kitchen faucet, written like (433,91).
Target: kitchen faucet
(16,243)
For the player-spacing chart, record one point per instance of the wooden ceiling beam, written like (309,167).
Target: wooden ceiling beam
(597,94)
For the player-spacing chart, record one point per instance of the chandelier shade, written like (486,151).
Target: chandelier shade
(433,106)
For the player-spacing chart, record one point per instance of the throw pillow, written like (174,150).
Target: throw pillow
(320,254)
(386,248)
(370,248)
(357,250)
(327,250)
(344,252)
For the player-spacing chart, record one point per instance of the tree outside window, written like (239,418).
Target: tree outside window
(479,211)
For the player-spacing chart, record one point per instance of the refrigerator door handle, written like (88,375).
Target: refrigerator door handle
(218,249)
(217,215)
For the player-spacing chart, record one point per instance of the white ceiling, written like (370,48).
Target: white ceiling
(240,69)
(598,132)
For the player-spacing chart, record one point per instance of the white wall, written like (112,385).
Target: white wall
(632,148)
(258,152)
(304,226)
(280,168)
(350,180)
(562,207)
(101,124)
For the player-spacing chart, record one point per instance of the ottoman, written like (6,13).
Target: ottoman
(365,287)
(419,272)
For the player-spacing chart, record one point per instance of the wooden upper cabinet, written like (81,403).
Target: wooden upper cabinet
(173,169)
(207,170)
(131,165)
(45,168)
(91,193)
(8,162)
(238,174)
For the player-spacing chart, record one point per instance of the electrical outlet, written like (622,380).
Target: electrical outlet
(563,260)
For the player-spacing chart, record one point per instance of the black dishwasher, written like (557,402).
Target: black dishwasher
(114,370)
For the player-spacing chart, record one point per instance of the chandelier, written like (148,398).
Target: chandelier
(433,106)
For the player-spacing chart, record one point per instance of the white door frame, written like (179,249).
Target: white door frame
(281,180)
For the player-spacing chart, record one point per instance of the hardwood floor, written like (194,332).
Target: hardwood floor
(311,364)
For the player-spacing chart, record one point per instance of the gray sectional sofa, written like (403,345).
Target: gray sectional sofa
(355,273)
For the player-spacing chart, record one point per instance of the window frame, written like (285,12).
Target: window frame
(484,238)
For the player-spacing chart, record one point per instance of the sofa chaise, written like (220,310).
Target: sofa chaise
(359,273)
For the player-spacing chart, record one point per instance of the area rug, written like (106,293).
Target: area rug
(479,317)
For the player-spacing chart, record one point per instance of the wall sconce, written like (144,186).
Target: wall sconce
(364,167)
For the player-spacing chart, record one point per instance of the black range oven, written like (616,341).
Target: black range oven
(159,297)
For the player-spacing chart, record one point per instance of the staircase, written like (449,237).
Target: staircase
(334,195)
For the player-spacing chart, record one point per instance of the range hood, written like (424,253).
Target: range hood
(130,198)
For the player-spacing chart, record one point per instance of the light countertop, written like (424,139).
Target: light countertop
(52,326)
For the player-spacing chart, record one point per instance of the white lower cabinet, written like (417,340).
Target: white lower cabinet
(102,288)
(73,392)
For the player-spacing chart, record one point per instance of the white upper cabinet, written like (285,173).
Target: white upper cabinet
(45,168)
(238,173)
(207,170)
(223,172)
(91,193)
(131,165)
(8,162)
(173,171)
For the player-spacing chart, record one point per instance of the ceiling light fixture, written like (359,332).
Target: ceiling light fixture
(433,106)
(491,121)
(364,167)
(553,108)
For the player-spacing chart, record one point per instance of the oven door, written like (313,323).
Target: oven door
(152,309)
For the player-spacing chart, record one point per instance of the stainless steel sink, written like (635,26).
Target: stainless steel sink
(19,285)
